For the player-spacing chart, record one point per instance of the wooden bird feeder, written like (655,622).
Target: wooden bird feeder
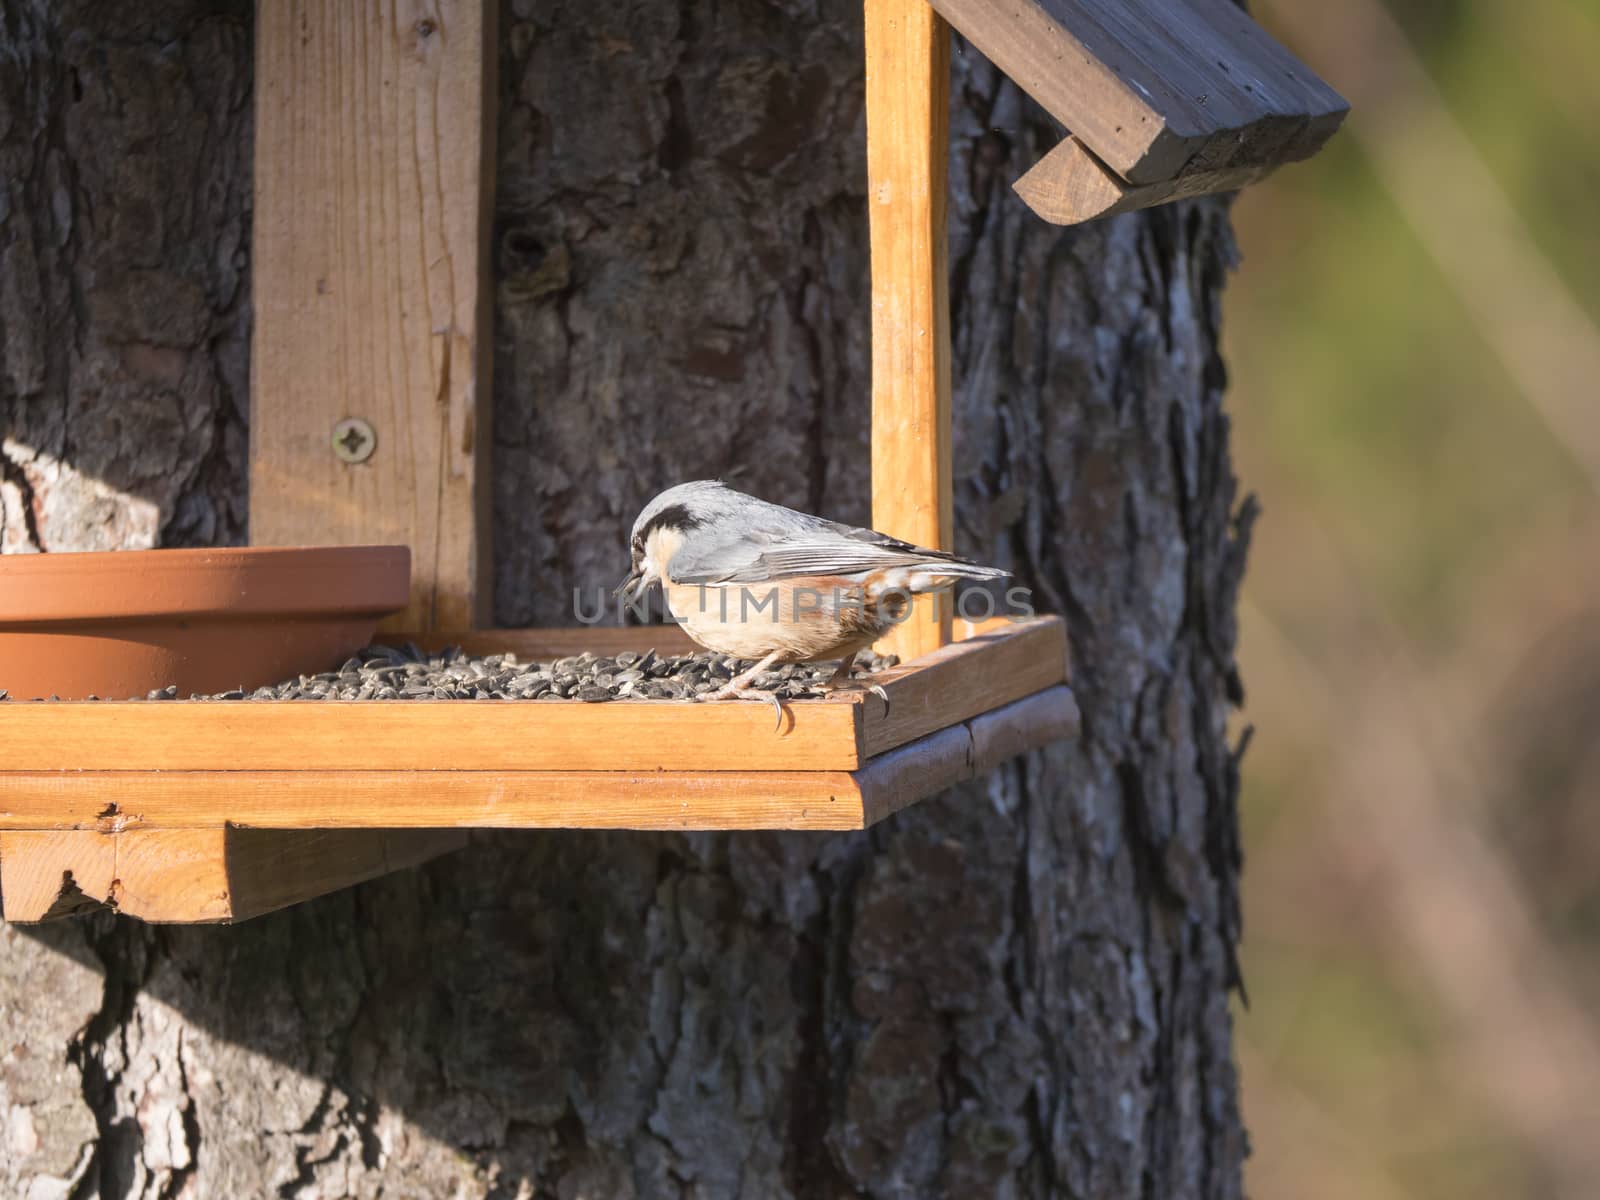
(373,169)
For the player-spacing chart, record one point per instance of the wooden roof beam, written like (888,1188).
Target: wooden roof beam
(1162,99)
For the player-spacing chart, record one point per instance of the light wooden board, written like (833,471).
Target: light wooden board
(1069,185)
(435,799)
(423,735)
(373,172)
(197,875)
(908,134)
(1158,87)
(107,803)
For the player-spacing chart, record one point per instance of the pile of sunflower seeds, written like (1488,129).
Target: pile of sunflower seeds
(407,673)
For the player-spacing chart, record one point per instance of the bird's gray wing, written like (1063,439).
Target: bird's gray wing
(825,548)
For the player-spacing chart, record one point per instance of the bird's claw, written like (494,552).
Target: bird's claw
(726,693)
(877,690)
(855,685)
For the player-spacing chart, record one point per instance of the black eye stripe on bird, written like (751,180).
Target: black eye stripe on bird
(673,516)
(704,536)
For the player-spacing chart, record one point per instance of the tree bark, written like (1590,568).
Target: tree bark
(1017,989)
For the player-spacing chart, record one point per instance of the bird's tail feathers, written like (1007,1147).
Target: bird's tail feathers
(931,576)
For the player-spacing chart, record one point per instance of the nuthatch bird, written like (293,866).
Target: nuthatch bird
(754,580)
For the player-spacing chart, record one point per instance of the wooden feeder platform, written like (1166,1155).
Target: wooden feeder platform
(218,810)
(370,370)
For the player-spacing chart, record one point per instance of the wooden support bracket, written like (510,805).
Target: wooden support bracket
(1070,185)
(197,875)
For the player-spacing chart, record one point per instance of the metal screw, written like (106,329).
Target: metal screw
(354,440)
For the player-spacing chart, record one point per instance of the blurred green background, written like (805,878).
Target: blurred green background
(1414,341)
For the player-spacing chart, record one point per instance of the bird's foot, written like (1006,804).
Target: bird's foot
(833,688)
(738,691)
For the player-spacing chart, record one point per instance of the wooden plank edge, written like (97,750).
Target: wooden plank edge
(1034,721)
(972,638)
(111,801)
(1004,662)
(423,735)
(902,777)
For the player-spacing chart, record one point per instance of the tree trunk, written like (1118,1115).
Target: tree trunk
(1019,988)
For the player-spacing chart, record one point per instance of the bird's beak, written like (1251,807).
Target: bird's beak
(632,587)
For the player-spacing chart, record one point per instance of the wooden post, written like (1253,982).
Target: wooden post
(370,361)
(908,134)
(373,177)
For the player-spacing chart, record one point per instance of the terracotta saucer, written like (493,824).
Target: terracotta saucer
(120,624)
